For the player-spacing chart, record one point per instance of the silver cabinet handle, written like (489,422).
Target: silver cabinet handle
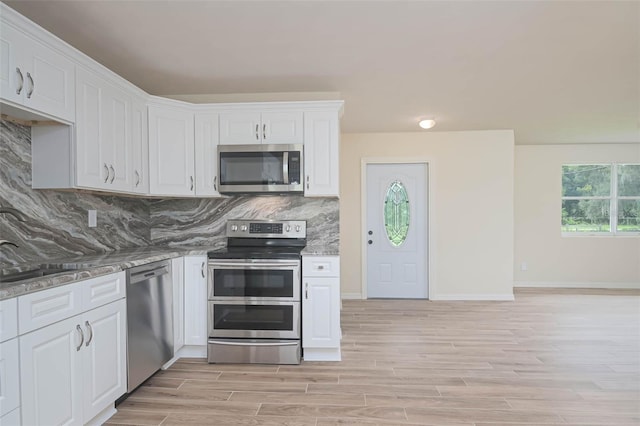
(306,290)
(90,329)
(264,131)
(114,173)
(107,169)
(137,178)
(81,337)
(19,89)
(257,134)
(33,86)
(215,183)
(202,270)
(307,181)
(191,187)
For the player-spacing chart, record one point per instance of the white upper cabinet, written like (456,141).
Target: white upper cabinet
(140,146)
(103,134)
(35,76)
(171,151)
(206,161)
(245,128)
(321,154)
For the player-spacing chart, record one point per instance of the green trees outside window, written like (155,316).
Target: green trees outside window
(601,198)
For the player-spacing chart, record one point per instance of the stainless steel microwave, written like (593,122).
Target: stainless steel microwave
(260,168)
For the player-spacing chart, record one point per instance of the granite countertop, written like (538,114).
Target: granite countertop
(94,265)
(89,266)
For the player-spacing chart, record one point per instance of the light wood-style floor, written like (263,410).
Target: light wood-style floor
(551,357)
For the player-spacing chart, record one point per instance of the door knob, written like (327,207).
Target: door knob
(370,242)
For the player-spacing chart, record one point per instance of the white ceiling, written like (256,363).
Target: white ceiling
(555,72)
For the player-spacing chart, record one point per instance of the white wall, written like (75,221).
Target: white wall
(553,260)
(471,184)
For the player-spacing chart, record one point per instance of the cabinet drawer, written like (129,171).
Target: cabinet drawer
(9,377)
(102,290)
(8,319)
(45,307)
(321,266)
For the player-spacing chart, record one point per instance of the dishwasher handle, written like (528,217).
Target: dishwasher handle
(146,274)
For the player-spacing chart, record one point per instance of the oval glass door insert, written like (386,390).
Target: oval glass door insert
(396,213)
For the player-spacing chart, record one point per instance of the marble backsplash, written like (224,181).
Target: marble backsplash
(57,223)
(202,221)
(57,226)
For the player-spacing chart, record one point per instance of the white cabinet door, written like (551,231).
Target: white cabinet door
(116,138)
(8,319)
(240,128)
(92,169)
(195,300)
(34,75)
(177,275)
(104,365)
(12,42)
(140,146)
(321,154)
(206,137)
(282,128)
(51,374)
(9,377)
(49,81)
(171,151)
(321,312)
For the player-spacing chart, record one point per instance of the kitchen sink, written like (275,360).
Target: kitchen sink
(7,276)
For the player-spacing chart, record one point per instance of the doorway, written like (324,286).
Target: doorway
(396,230)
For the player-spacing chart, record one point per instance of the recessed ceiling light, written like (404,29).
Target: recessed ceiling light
(427,124)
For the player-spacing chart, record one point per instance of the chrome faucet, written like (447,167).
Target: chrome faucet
(15,213)
(7,243)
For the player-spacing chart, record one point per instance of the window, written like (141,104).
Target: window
(601,199)
(396,213)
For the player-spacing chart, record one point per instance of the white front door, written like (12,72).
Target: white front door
(396,232)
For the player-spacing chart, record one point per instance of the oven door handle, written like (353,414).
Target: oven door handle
(227,343)
(253,265)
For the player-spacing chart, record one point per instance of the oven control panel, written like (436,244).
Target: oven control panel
(267,229)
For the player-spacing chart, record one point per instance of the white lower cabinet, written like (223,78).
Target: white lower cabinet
(9,377)
(11,419)
(177,275)
(321,308)
(72,369)
(195,300)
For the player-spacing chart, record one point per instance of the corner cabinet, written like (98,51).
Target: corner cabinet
(171,150)
(321,308)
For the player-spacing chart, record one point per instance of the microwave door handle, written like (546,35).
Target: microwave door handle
(285,167)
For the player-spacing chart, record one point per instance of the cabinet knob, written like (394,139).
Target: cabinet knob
(370,242)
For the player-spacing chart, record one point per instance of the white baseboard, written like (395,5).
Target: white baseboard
(576,284)
(322,354)
(191,351)
(473,296)
(102,416)
(351,296)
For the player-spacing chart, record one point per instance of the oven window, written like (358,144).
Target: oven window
(253,317)
(251,168)
(253,283)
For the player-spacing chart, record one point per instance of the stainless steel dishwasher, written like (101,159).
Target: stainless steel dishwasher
(149,321)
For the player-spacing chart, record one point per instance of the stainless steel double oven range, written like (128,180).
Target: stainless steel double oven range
(254,312)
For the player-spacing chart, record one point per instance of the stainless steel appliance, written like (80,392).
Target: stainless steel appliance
(149,321)
(260,168)
(254,288)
